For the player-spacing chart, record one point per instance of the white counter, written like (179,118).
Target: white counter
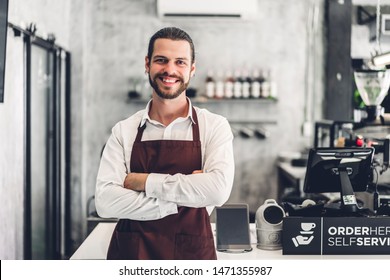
(96,244)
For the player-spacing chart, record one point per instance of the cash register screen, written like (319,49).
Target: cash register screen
(322,174)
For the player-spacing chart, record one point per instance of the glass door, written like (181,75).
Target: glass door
(42,140)
(47,150)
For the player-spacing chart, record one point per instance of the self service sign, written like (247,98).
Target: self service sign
(336,235)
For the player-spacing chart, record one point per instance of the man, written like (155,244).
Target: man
(165,168)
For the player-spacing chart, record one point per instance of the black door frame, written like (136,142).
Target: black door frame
(60,223)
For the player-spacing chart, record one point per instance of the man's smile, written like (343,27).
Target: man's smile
(168,81)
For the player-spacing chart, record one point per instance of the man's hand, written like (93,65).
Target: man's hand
(197,171)
(135,181)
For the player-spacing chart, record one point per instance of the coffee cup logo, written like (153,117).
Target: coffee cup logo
(308,226)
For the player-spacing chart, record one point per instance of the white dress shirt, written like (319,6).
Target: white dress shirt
(164,193)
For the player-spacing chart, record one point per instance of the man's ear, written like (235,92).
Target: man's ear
(147,64)
(193,68)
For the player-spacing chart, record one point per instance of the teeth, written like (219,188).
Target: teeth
(168,81)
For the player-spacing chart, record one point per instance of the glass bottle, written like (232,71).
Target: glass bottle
(210,85)
(246,84)
(273,89)
(219,85)
(237,87)
(265,85)
(255,87)
(229,84)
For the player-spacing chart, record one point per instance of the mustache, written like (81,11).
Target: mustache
(166,75)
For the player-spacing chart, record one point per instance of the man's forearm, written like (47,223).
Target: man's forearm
(135,181)
(195,190)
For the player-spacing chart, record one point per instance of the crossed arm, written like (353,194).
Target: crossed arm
(136,181)
(142,196)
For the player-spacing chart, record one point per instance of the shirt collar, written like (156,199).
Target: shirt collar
(145,116)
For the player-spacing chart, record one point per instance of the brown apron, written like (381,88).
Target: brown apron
(185,235)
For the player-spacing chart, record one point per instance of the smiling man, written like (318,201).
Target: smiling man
(165,168)
(172,69)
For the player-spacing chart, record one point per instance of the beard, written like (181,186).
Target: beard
(168,94)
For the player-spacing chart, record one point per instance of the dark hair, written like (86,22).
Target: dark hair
(172,33)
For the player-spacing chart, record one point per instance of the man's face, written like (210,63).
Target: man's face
(170,68)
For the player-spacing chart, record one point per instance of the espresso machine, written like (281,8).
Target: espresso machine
(374,130)
(373,86)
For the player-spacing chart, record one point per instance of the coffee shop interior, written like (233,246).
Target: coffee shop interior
(284,74)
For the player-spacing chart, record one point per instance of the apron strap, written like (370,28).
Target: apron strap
(195,126)
(140,132)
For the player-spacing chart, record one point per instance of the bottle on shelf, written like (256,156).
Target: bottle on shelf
(229,84)
(210,84)
(219,85)
(273,88)
(265,85)
(246,84)
(237,87)
(255,86)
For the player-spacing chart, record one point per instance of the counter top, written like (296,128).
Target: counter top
(296,172)
(95,247)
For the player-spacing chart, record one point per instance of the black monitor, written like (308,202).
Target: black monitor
(3,43)
(343,170)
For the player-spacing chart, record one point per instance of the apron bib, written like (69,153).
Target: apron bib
(185,235)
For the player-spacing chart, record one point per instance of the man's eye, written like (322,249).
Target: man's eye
(160,60)
(181,62)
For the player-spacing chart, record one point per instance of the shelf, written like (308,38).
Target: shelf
(204,100)
(252,122)
(226,107)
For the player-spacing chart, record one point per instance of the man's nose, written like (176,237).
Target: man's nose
(170,68)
